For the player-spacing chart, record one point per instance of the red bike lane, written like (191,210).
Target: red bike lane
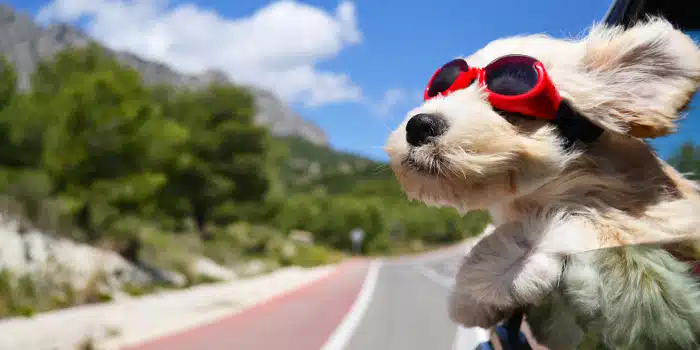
(302,319)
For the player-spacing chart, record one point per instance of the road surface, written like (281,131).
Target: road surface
(364,305)
(408,308)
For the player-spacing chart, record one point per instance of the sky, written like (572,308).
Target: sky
(352,67)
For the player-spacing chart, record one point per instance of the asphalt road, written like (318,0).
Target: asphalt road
(407,311)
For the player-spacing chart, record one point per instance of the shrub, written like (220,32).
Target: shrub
(379,244)
(27,294)
(314,255)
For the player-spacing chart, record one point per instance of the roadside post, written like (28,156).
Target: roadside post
(357,236)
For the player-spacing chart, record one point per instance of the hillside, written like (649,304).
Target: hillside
(25,44)
(312,166)
(320,169)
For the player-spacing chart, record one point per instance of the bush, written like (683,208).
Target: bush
(26,295)
(379,244)
(314,255)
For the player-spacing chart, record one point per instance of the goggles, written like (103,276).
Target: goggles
(513,83)
(517,84)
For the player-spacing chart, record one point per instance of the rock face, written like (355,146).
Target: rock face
(25,43)
(38,254)
(62,260)
(282,120)
(207,268)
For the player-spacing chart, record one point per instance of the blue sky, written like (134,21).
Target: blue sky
(363,63)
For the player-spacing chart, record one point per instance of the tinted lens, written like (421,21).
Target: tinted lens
(511,75)
(447,76)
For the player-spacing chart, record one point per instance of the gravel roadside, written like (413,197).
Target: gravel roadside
(126,322)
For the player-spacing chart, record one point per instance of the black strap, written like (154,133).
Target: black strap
(572,125)
(575,127)
(513,327)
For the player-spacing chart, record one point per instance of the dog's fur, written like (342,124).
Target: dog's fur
(549,201)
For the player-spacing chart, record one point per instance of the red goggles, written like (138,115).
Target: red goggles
(514,83)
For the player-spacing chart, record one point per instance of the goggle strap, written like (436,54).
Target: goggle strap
(575,127)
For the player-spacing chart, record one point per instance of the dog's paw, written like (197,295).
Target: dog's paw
(507,269)
(468,312)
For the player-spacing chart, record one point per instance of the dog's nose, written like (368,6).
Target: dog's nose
(421,127)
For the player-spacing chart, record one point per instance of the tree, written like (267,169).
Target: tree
(223,169)
(104,140)
(687,160)
(14,152)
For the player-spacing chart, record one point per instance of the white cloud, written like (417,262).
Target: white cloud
(394,98)
(277,47)
(391,99)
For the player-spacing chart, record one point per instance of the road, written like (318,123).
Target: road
(364,305)
(408,308)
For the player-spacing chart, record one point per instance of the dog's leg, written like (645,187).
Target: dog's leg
(503,271)
(469,312)
(518,264)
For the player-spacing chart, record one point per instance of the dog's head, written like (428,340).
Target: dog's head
(457,150)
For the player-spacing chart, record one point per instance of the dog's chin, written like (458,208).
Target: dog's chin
(431,182)
(430,167)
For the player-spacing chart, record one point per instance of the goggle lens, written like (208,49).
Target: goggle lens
(447,76)
(511,75)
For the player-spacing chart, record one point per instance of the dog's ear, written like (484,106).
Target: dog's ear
(645,76)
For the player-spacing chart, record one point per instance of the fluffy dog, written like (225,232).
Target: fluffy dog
(550,202)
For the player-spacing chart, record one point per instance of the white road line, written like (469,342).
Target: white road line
(465,338)
(342,334)
(447,282)
(469,338)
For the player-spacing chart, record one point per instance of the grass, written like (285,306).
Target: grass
(87,344)
(314,255)
(25,295)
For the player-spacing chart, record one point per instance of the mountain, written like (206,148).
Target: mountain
(25,43)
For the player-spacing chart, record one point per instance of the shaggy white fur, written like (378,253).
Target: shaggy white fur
(570,222)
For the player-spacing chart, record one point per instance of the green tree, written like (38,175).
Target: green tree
(687,160)
(222,172)
(104,140)
(14,151)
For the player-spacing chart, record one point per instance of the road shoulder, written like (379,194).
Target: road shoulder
(299,320)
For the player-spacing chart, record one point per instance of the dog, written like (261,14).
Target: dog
(575,204)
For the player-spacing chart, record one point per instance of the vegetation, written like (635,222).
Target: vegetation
(27,294)
(163,175)
(687,160)
(111,158)
(356,192)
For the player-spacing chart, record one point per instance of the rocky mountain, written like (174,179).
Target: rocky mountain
(25,43)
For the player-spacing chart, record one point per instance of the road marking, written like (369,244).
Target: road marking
(465,338)
(447,282)
(469,338)
(342,334)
